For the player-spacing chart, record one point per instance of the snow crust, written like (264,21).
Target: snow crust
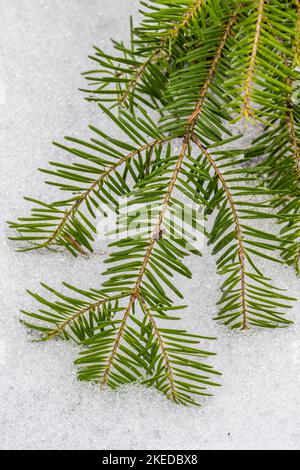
(44,46)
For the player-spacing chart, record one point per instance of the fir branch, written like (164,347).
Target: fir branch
(246,289)
(73,318)
(279,148)
(62,222)
(297,48)
(238,232)
(213,68)
(95,186)
(70,317)
(257,75)
(293,138)
(190,61)
(134,68)
(252,64)
(117,341)
(187,138)
(170,36)
(131,86)
(196,5)
(136,291)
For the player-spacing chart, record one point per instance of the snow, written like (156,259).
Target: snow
(44,47)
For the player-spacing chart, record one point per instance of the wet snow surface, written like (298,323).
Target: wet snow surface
(44,46)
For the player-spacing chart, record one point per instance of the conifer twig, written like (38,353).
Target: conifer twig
(251,69)
(171,35)
(238,229)
(187,139)
(83,197)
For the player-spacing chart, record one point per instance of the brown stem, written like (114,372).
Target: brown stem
(74,317)
(294,141)
(251,69)
(297,260)
(118,340)
(173,394)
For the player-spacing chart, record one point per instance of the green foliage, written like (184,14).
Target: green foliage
(258,72)
(190,70)
(97,177)
(279,144)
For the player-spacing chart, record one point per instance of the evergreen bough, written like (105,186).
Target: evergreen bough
(191,69)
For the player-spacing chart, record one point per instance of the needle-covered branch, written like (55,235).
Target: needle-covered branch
(192,67)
